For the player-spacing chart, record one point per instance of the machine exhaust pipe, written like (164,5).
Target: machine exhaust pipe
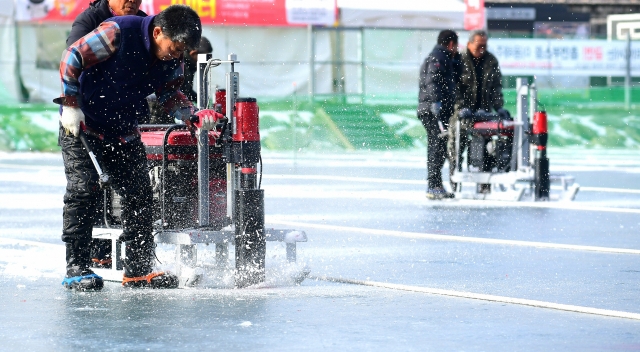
(542,182)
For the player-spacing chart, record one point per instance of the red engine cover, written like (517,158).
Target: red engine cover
(176,138)
(154,138)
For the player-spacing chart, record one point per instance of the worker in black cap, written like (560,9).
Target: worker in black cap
(435,106)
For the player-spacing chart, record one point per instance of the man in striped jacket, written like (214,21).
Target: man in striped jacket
(87,21)
(106,76)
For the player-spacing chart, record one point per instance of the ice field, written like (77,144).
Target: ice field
(389,269)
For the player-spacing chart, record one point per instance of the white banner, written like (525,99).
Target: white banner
(564,57)
(322,12)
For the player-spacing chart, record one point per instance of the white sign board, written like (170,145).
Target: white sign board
(511,13)
(564,57)
(319,12)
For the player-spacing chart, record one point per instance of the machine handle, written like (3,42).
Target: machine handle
(103,178)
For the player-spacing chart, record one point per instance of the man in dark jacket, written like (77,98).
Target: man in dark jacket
(97,12)
(479,88)
(105,77)
(435,106)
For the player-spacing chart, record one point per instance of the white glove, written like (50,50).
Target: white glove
(71,118)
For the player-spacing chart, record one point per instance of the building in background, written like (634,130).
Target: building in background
(555,18)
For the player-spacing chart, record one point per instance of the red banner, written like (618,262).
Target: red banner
(219,12)
(474,15)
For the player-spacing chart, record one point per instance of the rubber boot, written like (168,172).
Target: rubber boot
(138,267)
(79,277)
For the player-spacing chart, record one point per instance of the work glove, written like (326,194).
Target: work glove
(465,115)
(71,119)
(504,114)
(436,108)
(207,119)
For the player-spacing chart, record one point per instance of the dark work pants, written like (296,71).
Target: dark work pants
(436,149)
(126,165)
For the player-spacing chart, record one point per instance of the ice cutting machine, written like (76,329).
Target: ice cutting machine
(500,152)
(206,188)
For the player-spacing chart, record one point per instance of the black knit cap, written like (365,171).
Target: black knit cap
(181,24)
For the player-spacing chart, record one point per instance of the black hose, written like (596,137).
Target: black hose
(260,178)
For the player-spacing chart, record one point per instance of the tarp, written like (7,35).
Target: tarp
(427,14)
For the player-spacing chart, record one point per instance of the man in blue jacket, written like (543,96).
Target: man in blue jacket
(435,106)
(106,76)
(97,12)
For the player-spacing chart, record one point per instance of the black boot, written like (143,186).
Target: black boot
(79,277)
(138,267)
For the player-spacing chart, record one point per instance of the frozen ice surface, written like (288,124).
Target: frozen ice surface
(363,214)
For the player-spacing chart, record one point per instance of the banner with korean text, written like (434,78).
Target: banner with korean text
(564,57)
